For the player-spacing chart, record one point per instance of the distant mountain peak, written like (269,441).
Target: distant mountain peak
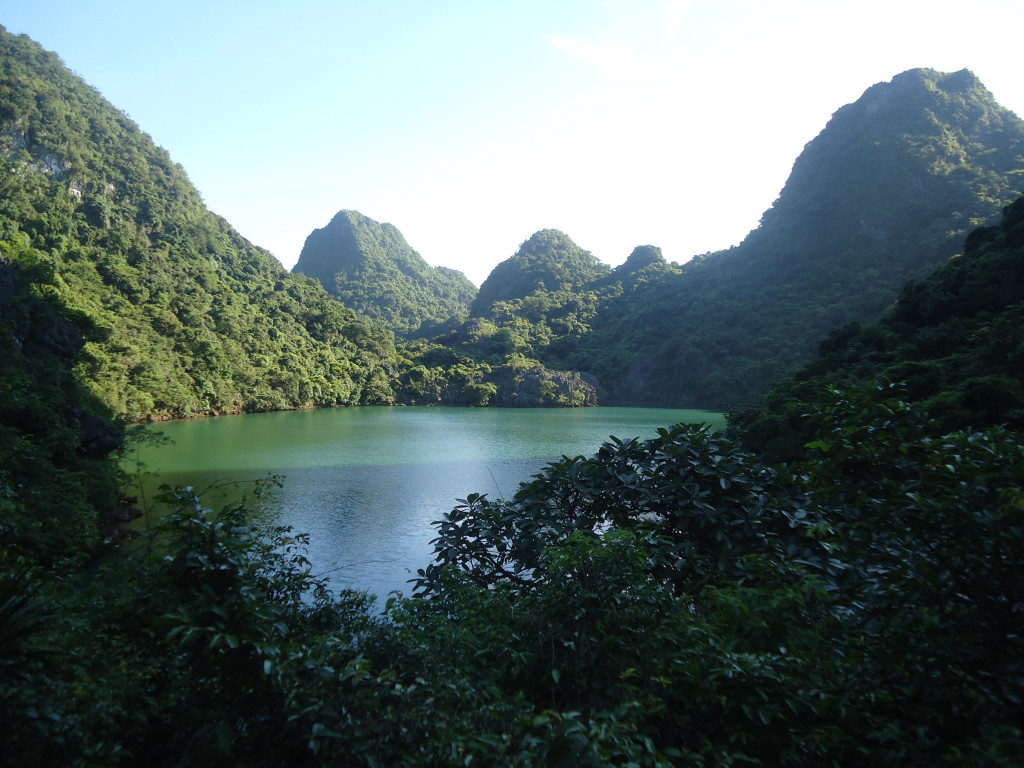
(641,256)
(548,260)
(371,267)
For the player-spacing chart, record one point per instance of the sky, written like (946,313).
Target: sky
(472,124)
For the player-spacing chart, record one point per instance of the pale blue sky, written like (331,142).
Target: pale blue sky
(470,125)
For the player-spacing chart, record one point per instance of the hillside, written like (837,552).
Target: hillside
(371,268)
(952,345)
(57,489)
(188,318)
(548,290)
(885,193)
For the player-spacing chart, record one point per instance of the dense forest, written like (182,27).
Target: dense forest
(187,318)
(849,595)
(952,345)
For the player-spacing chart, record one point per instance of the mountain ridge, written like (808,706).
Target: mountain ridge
(952,345)
(883,194)
(192,319)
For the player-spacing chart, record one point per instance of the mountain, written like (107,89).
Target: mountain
(181,316)
(371,268)
(186,317)
(884,194)
(548,262)
(541,302)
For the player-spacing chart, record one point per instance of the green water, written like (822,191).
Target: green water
(366,483)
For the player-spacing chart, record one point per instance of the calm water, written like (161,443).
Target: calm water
(366,483)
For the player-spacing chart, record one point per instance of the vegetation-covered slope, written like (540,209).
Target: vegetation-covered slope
(952,344)
(540,302)
(186,317)
(548,262)
(884,194)
(372,269)
(189,318)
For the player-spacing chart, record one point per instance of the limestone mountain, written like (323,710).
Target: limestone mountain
(884,194)
(371,268)
(543,300)
(179,315)
(548,262)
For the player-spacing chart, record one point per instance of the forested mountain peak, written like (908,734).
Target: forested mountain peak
(373,270)
(641,256)
(885,193)
(895,165)
(548,261)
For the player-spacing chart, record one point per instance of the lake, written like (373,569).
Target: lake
(366,483)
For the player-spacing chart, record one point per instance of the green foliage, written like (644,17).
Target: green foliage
(536,308)
(862,604)
(665,602)
(181,316)
(187,318)
(686,490)
(199,654)
(952,342)
(435,374)
(549,261)
(57,491)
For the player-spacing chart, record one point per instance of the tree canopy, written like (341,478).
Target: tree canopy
(952,343)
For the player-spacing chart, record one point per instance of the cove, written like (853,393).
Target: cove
(366,483)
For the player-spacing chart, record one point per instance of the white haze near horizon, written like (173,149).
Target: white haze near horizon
(471,125)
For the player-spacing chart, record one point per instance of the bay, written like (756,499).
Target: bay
(366,484)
